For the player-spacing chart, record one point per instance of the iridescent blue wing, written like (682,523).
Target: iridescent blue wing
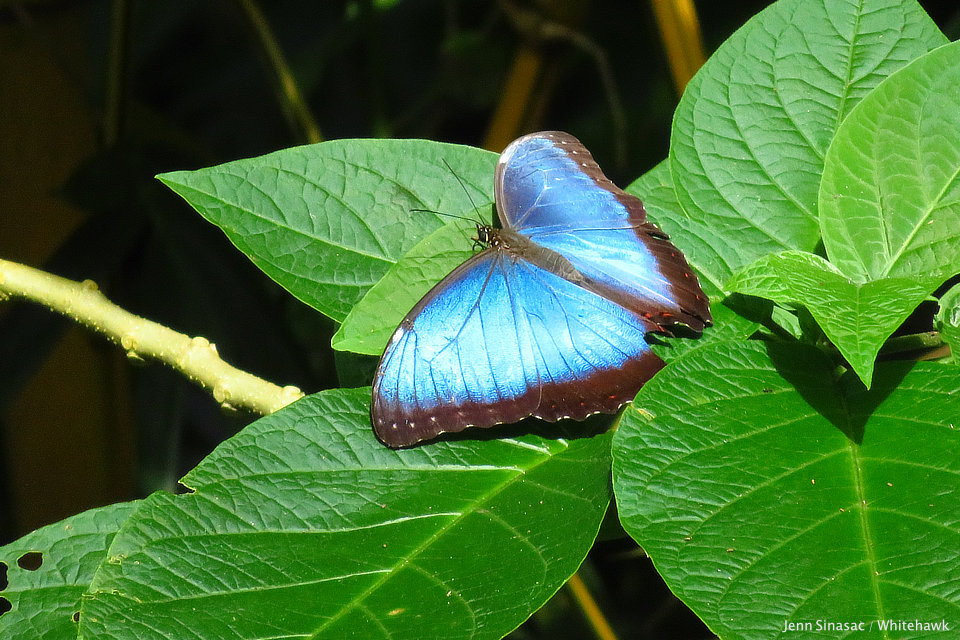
(549,188)
(500,339)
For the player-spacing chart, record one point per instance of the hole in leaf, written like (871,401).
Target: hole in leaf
(4,583)
(30,561)
(4,605)
(76,616)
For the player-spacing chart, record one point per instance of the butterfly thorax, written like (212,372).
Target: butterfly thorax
(517,247)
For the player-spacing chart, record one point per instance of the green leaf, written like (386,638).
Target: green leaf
(730,323)
(856,317)
(46,594)
(369,325)
(890,199)
(767,492)
(752,128)
(947,321)
(304,525)
(327,221)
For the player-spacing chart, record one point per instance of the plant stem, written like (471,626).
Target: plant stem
(294,106)
(538,28)
(116,80)
(913,342)
(521,79)
(680,32)
(592,612)
(196,357)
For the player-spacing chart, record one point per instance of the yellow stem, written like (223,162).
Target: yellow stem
(680,32)
(591,611)
(196,357)
(514,99)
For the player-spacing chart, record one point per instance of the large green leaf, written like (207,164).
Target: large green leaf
(326,221)
(369,325)
(752,128)
(890,199)
(768,492)
(303,525)
(857,317)
(44,573)
(947,321)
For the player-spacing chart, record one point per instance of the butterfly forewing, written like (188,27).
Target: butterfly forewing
(549,187)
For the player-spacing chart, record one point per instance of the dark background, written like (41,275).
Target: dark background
(97,97)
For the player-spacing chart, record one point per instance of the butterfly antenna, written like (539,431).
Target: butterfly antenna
(462,185)
(441,213)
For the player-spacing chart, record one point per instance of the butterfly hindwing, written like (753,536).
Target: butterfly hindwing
(500,339)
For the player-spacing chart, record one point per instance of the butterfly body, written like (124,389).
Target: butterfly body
(517,246)
(550,319)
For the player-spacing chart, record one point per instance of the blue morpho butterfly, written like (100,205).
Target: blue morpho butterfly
(550,319)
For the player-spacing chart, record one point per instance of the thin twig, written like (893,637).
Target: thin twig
(538,28)
(294,106)
(592,612)
(116,80)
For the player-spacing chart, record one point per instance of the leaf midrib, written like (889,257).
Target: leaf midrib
(429,540)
